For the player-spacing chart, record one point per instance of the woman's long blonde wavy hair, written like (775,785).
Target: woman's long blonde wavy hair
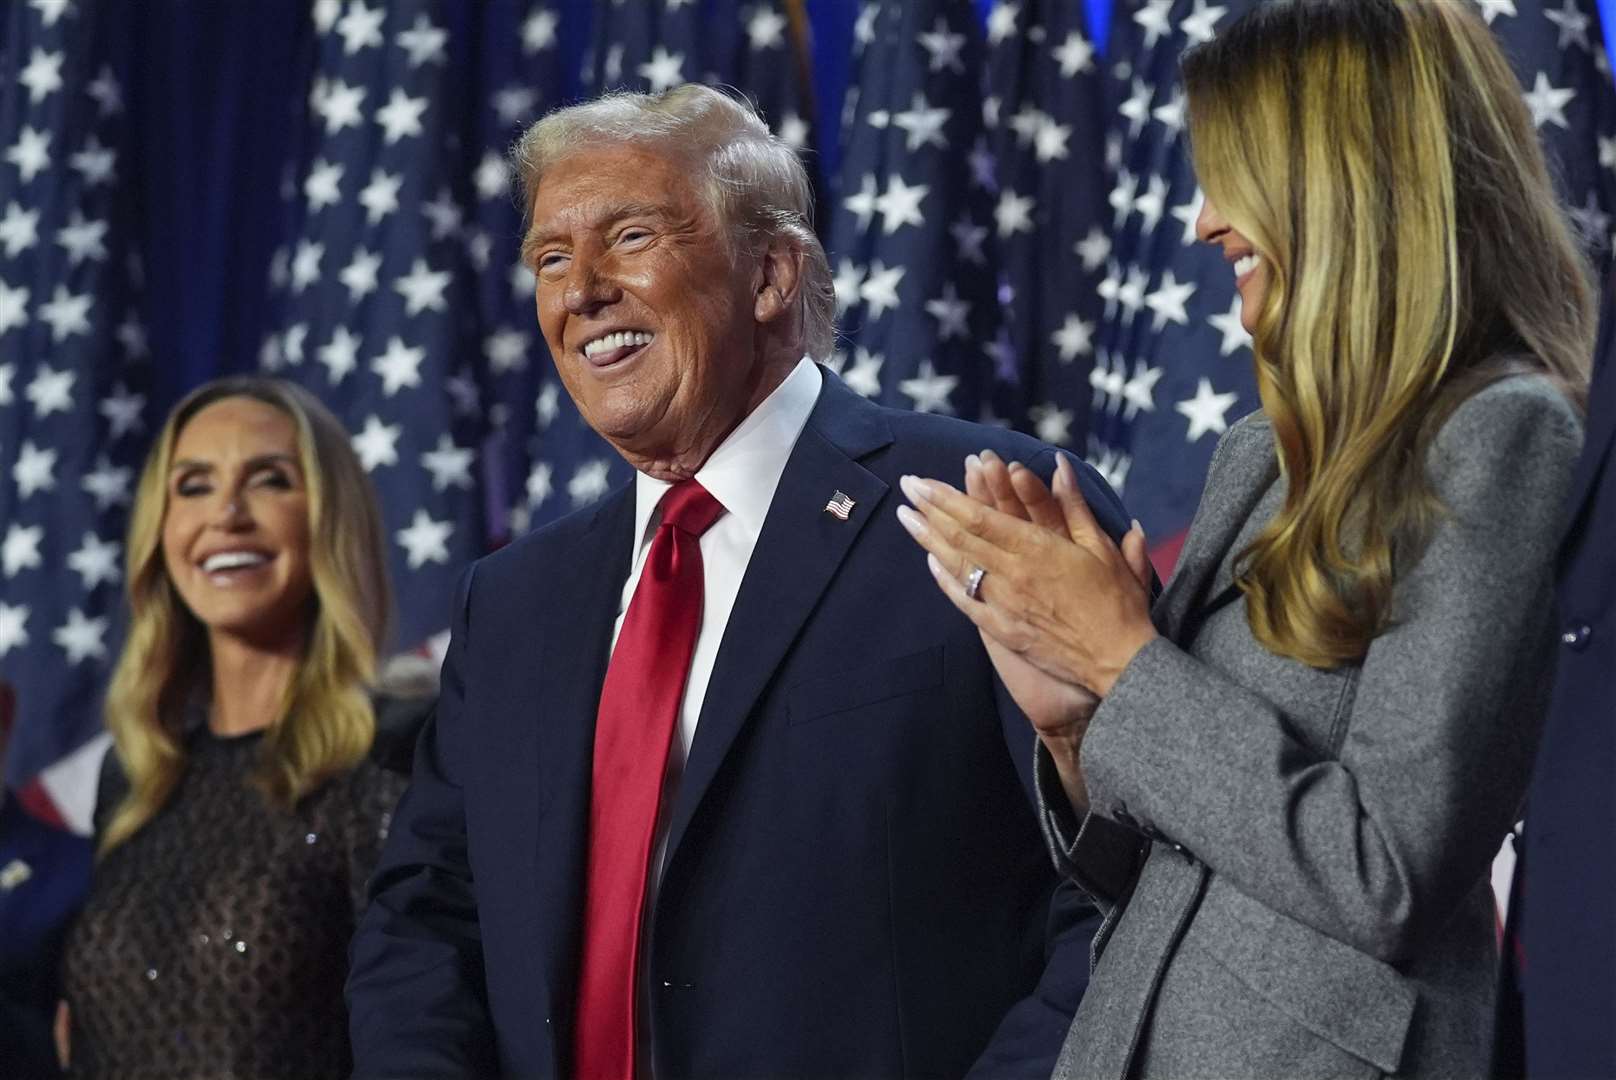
(1379,156)
(327,724)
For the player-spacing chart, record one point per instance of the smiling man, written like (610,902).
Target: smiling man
(719,783)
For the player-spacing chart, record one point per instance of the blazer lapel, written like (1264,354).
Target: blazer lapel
(795,559)
(1242,481)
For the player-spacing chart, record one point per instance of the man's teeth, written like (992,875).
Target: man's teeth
(232,560)
(621,339)
(1246,264)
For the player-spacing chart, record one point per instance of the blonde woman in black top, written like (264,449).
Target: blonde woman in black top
(241,816)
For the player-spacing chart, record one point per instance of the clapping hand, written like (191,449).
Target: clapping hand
(1061,608)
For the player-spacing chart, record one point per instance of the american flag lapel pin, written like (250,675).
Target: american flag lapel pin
(15,873)
(840,505)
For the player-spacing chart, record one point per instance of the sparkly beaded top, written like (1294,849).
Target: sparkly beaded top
(214,941)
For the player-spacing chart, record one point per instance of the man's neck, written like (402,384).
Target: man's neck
(675,463)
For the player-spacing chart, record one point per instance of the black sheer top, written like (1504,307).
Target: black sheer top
(215,940)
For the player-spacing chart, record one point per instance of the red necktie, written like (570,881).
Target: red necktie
(639,704)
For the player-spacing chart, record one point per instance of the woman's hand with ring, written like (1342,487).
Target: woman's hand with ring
(1071,605)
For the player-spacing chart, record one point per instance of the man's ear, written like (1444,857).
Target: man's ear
(779,279)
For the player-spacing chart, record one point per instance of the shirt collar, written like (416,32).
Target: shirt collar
(744,470)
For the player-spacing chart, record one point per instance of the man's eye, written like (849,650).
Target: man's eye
(552,262)
(629,236)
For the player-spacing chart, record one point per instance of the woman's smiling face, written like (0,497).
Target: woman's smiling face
(236,522)
(1250,268)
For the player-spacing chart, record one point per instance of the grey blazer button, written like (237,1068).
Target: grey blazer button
(1576,636)
(1160,837)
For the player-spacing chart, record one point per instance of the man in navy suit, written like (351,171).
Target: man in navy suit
(1565,902)
(839,865)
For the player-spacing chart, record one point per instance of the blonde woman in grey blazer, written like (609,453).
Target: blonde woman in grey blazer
(1283,783)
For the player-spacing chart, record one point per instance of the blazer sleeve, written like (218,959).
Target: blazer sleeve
(1378,844)
(416,998)
(1027,1041)
(373,792)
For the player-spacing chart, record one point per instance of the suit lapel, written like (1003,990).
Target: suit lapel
(1241,483)
(796,558)
(1601,433)
(578,609)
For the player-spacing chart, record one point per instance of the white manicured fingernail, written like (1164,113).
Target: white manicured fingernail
(917,489)
(911,521)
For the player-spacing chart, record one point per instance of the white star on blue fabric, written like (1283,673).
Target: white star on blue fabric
(450,465)
(34,470)
(928,390)
(423,289)
(361,27)
(426,540)
(377,444)
(95,561)
(1205,411)
(899,205)
(13,626)
(19,551)
(51,390)
(399,366)
(879,290)
(401,116)
(30,153)
(1547,102)
(108,484)
(81,637)
(423,42)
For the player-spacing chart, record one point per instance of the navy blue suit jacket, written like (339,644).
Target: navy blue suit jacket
(50,875)
(855,883)
(1568,886)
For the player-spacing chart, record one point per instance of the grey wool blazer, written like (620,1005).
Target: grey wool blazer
(1292,862)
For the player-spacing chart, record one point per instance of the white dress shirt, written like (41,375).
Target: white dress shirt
(741,474)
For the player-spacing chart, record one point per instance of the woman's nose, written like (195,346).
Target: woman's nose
(231,513)
(1209,224)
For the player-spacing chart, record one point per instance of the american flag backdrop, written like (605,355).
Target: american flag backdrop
(373,277)
(74,383)
(519,75)
(1046,118)
(1558,52)
(914,231)
(757,46)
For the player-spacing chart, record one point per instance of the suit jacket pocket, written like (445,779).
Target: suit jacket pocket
(867,684)
(1340,994)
